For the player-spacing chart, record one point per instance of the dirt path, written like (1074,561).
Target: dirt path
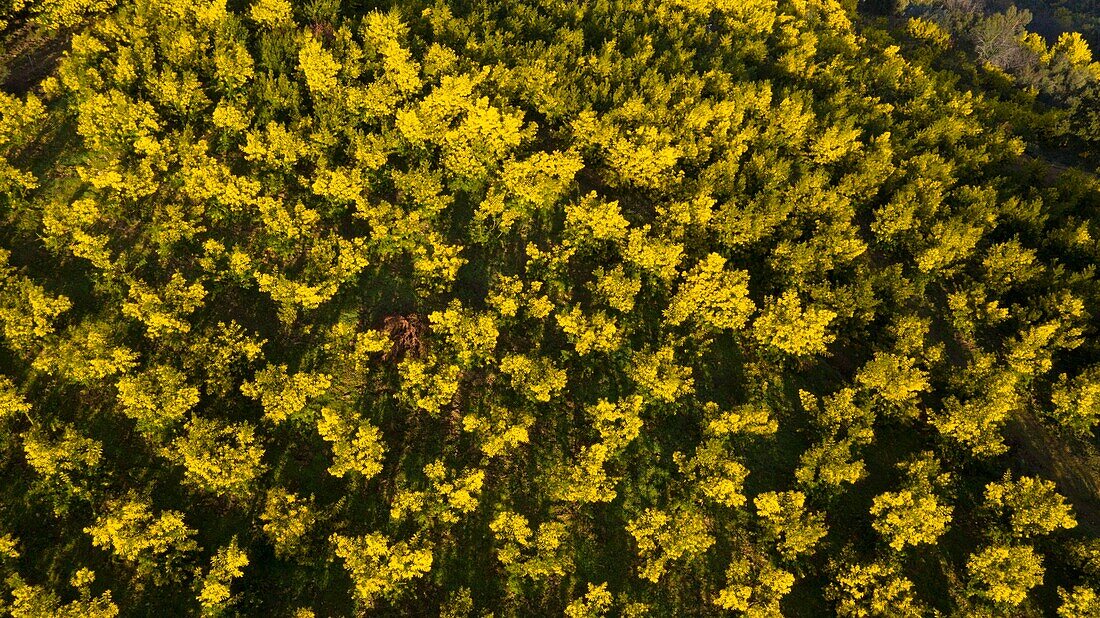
(28,57)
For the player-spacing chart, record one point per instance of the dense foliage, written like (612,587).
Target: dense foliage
(614,307)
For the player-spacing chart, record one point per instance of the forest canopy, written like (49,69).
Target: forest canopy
(533,308)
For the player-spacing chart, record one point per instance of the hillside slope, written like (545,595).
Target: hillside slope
(678,308)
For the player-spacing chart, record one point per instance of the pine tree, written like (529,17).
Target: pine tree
(664,537)
(1080,602)
(712,296)
(1076,402)
(1034,505)
(226,565)
(286,396)
(30,601)
(909,518)
(219,457)
(876,589)
(12,404)
(67,461)
(288,519)
(319,67)
(151,544)
(789,327)
(755,587)
(379,568)
(157,399)
(536,555)
(86,354)
(1004,574)
(784,517)
(659,376)
(449,496)
(272,13)
(357,445)
(594,604)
